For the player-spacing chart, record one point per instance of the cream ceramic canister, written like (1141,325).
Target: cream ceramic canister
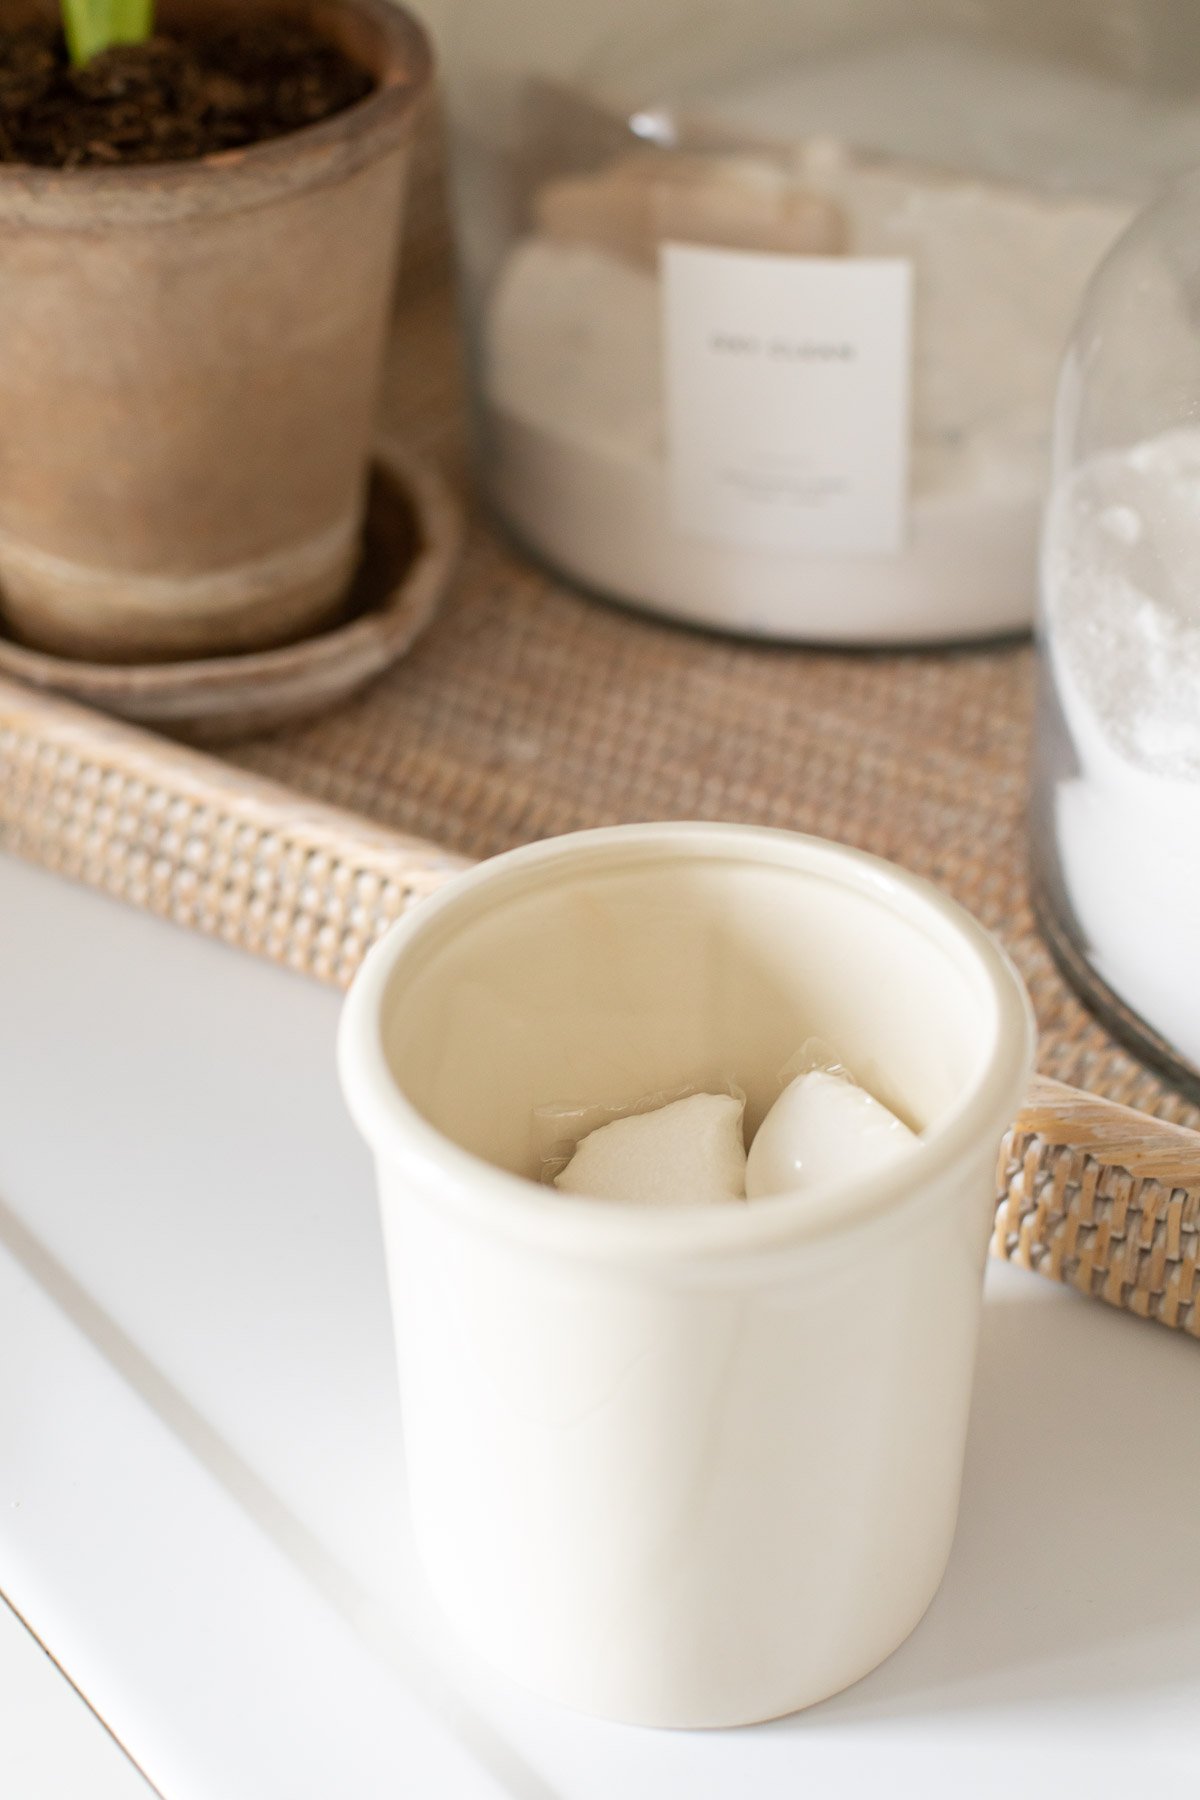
(697,1466)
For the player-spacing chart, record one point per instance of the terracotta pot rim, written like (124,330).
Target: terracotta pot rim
(232,180)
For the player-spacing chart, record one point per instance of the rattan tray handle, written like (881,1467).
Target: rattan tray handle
(1105,1199)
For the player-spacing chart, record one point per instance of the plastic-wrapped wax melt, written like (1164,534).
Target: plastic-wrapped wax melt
(823,1127)
(686,1153)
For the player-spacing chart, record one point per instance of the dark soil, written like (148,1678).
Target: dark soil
(168,100)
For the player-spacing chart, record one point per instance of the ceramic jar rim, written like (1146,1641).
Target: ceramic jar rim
(496,1201)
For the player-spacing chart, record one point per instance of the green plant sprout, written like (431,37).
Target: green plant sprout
(92,25)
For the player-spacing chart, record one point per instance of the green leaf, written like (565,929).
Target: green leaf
(92,25)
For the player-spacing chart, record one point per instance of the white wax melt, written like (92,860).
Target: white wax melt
(688,1153)
(822,1127)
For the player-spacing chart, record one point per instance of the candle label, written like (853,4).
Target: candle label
(787,398)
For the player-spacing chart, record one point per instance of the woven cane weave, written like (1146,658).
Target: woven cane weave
(1105,1200)
(1134,1243)
(530,710)
(185,837)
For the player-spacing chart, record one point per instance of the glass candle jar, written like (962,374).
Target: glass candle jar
(1117,809)
(766,302)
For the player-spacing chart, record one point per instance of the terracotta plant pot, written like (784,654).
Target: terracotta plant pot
(189,360)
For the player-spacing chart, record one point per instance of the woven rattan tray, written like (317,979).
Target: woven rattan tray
(529,710)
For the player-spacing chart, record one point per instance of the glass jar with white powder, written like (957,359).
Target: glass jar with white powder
(1117,811)
(766,301)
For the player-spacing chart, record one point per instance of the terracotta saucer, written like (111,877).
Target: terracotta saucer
(410,546)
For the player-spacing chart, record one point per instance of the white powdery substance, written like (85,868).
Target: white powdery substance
(575,349)
(573,353)
(1121,576)
(687,1153)
(577,436)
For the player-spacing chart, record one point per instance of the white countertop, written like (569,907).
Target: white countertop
(51,1742)
(201,1488)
